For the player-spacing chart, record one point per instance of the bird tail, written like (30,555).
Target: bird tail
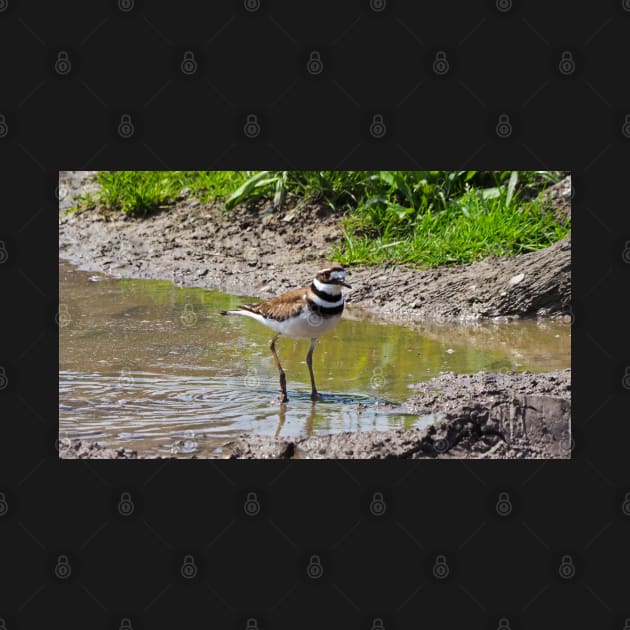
(243,309)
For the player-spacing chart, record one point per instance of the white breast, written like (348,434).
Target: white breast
(307,325)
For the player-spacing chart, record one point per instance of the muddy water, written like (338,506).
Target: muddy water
(147,365)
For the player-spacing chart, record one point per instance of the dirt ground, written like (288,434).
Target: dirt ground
(249,252)
(82,449)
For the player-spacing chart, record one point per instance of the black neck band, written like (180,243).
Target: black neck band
(329,297)
(325,311)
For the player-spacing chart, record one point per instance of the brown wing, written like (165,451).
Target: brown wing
(280,307)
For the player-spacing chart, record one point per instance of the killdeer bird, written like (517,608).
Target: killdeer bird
(305,313)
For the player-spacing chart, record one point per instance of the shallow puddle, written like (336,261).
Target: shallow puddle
(147,365)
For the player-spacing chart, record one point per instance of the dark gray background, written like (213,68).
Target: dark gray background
(63,111)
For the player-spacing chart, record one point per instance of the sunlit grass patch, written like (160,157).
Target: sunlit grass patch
(423,218)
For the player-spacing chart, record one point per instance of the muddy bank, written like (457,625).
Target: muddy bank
(487,416)
(82,449)
(258,253)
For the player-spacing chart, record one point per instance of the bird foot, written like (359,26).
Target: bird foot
(316,396)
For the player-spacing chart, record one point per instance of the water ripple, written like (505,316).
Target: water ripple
(166,411)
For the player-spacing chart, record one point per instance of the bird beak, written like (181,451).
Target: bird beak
(345,284)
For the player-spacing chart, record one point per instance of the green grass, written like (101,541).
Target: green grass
(141,192)
(423,218)
(467,229)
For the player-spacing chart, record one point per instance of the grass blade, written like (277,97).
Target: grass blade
(243,191)
(511,186)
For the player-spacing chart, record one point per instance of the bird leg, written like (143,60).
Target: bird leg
(315,395)
(283,378)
